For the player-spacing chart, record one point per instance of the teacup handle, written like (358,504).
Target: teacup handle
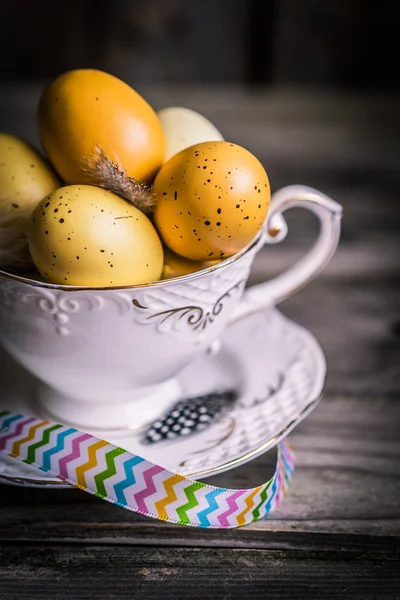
(329,213)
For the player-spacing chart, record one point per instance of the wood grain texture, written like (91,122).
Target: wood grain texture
(86,573)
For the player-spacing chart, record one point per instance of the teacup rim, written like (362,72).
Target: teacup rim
(159,283)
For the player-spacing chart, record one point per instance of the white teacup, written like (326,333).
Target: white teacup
(107,358)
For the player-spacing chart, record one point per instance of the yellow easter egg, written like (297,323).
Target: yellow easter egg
(25,177)
(81,235)
(86,109)
(177,266)
(211,200)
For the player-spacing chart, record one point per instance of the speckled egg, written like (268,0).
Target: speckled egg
(184,127)
(25,177)
(82,235)
(211,200)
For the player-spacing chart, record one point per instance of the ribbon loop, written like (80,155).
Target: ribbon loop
(122,478)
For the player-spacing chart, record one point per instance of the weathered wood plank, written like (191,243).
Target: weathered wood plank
(30,572)
(285,128)
(358,327)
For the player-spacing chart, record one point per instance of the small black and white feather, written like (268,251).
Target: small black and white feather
(190,416)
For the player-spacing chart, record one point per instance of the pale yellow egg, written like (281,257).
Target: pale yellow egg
(184,127)
(82,235)
(25,177)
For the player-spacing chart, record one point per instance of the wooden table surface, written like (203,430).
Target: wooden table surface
(336,535)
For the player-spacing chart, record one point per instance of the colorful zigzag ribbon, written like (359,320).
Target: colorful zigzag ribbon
(119,477)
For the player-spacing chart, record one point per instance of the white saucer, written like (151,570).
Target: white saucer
(277,366)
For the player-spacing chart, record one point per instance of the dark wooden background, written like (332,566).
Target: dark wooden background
(335,43)
(310,88)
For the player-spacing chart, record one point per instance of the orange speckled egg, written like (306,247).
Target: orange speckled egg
(211,200)
(85,109)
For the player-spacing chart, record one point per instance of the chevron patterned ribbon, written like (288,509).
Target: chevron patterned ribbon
(117,476)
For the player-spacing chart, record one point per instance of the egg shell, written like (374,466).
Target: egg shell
(87,109)
(184,127)
(177,266)
(87,236)
(25,177)
(211,200)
